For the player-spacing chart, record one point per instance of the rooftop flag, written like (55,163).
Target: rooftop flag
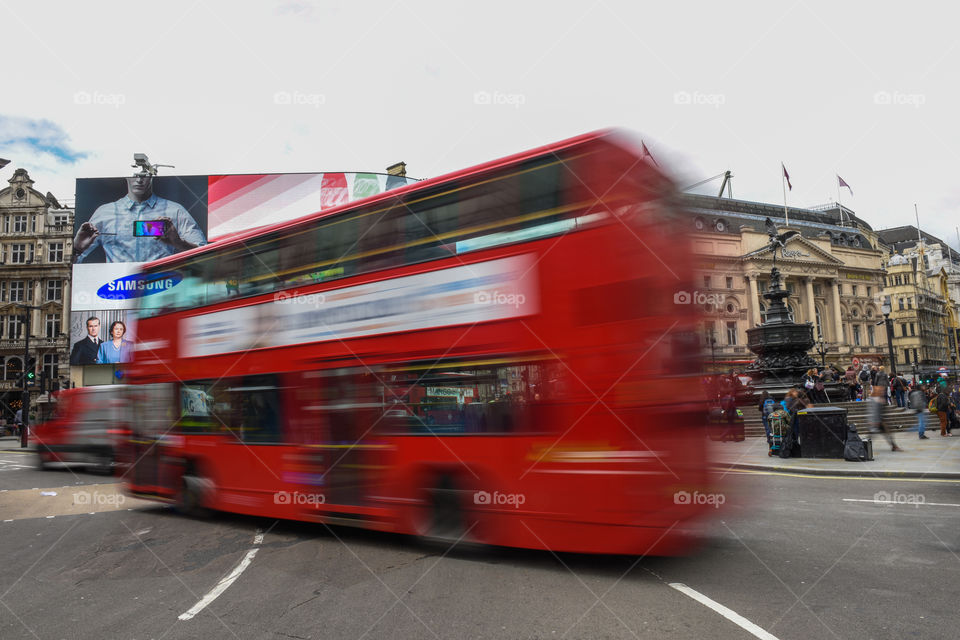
(786,176)
(843,183)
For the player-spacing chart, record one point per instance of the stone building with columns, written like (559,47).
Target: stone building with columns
(833,269)
(35,243)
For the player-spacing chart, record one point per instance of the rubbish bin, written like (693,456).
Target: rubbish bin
(822,432)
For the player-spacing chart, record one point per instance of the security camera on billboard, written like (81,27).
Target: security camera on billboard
(140,218)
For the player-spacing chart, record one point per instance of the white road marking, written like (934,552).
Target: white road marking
(727,613)
(224,583)
(909,504)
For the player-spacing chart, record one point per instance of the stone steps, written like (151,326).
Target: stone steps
(895,417)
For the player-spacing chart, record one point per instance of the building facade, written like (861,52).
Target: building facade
(833,269)
(35,244)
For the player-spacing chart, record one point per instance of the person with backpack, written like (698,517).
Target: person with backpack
(850,379)
(918,404)
(900,391)
(882,380)
(864,379)
(766,407)
(942,405)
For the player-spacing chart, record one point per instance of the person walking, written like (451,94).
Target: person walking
(943,406)
(875,413)
(918,404)
(863,378)
(882,380)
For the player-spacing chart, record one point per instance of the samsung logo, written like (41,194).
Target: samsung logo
(139,285)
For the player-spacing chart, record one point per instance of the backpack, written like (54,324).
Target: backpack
(864,376)
(932,406)
(780,423)
(854,449)
(768,406)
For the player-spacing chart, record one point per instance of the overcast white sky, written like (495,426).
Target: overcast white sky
(866,91)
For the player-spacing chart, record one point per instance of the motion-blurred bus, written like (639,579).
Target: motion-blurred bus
(492,356)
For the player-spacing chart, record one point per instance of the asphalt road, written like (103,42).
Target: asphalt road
(787,553)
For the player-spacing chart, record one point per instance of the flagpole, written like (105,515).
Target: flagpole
(839,203)
(783,183)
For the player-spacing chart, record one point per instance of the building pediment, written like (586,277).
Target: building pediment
(797,250)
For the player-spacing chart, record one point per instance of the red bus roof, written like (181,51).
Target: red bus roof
(240,236)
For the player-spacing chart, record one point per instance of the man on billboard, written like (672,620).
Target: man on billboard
(138,227)
(85,351)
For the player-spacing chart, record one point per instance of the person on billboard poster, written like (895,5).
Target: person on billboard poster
(85,351)
(116,350)
(166,227)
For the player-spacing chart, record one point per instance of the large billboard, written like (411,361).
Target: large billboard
(120,223)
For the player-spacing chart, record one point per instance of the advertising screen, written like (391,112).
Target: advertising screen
(121,223)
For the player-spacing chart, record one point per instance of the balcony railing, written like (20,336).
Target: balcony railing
(35,343)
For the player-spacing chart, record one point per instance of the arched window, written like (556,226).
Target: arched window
(13,368)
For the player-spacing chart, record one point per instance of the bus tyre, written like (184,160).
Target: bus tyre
(192,499)
(103,463)
(445,515)
(42,458)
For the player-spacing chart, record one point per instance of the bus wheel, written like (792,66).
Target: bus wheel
(42,459)
(445,523)
(104,463)
(192,498)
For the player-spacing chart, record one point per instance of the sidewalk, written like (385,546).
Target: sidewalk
(12,443)
(936,458)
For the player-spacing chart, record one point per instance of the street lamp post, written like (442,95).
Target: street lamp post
(885,309)
(821,349)
(25,391)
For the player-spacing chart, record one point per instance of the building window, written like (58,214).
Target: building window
(913,328)
(869,292)
(51,365)
(19,224)
(29,290)
(14,326)
(54,290)
(853,289)
(909,303)
(856,335)
(729,282)
(817,290)
(901,304)
(706,282)
(52,325)
(732,333)
(915,356)
(18,253)
(3,291)
(871,339)
(906,356)
(55,252)
(16,291)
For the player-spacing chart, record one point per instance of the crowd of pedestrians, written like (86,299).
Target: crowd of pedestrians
(939,400)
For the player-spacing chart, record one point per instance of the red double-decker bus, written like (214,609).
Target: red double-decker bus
(492,356)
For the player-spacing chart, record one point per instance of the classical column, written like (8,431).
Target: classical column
(754,299)
(811,307)
(65,308)
(37,328)
(837,318)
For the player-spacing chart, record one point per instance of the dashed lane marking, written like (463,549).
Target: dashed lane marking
(726,612)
